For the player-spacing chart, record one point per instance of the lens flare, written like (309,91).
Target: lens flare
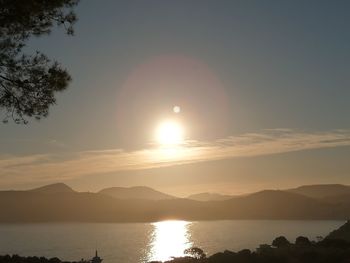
(176,109)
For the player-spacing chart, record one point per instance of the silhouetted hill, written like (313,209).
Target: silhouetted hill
(136,192)
(28,206)
(39,206)
(342,233)
(53,189)
(343,199)
(274,204)
(322,190)
(209,197)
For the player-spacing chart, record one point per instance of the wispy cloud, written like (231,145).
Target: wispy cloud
(62,166)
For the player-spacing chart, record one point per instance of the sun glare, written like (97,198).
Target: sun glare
(170,239)
(170,133)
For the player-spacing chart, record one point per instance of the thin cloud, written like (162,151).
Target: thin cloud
(63,166)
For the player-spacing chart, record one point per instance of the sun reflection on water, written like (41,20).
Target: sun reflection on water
(169,239)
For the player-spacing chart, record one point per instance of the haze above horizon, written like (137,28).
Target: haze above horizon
(193,96)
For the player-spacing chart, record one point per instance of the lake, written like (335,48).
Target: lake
(142,242)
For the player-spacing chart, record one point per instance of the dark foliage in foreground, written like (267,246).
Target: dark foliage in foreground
(19,259)
(302,251)
(29,83)
(342,232)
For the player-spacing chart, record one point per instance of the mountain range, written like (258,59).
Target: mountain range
(59,202)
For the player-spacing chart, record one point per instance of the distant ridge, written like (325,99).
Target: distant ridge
(136,192)
(209,197)
(60,203)
(322,190)
(277,204)
(53,189)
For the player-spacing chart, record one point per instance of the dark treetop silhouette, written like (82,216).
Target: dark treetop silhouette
(28,83)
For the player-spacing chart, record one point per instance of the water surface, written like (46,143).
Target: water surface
(142,242)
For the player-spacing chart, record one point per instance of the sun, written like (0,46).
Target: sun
(170,133)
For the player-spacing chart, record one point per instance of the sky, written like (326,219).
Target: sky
(263,88)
